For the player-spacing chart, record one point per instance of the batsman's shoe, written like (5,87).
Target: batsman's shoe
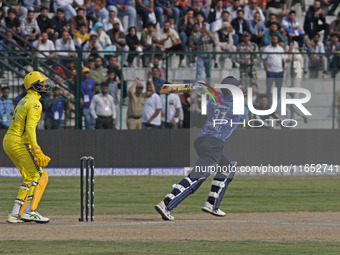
(34,216)
(14,219)
(209,208)
(163,211)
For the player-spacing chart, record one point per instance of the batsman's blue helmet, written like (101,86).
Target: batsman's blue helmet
(231,80)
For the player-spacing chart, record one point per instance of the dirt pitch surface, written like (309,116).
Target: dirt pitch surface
(301,226)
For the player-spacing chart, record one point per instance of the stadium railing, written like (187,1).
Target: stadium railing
(14,64)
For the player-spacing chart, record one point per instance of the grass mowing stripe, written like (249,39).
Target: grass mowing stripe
(188,248)
(128,195)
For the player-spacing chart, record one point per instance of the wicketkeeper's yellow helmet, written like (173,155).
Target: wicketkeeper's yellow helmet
(33,78)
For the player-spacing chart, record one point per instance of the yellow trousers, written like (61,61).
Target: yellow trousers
(23,159)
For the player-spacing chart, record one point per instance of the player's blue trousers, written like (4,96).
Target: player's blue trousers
(210,152)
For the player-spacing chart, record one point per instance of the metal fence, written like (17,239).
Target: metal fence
(323,87)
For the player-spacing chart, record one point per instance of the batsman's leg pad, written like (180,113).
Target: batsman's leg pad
(39,190)
(176,197)
(218,189)
(221,187)
(177,189)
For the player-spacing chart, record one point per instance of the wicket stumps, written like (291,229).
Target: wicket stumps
(86,164)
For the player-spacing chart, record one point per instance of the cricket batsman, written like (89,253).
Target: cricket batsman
(20,144)
(209,147)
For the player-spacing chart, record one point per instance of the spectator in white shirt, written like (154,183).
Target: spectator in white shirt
(169,40)
(234,8)
(92,48)
(224,43)
(113,91)
(216,12)
(171,107)
(30,26)
(152,108)
(108,23)
(65,43)
(66,5)
(293,29)
(45,45)
(251,9)
(313,61)
(217,24)
(293,67)
(103,109)
(273,64)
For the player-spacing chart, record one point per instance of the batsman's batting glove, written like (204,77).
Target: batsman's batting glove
(41,159)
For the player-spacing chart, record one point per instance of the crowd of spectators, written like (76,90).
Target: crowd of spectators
(146,108)
(233,26)
(55,105)
(97,25)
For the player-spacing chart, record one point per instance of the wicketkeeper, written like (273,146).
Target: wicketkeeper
(20,144)
(209,147)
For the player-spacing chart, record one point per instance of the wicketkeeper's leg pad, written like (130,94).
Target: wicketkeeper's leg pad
(22,193)
(22,197)
(39,190)
(28,198)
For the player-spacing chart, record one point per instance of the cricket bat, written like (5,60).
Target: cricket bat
(175,88)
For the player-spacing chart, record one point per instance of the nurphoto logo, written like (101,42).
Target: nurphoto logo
(281,101)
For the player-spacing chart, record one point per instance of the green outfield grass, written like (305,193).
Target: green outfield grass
(128,195)
(164,248)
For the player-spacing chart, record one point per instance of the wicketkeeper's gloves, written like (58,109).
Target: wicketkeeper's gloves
(41,159)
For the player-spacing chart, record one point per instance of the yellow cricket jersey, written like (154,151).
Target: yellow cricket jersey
(83,38)
(25,119)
